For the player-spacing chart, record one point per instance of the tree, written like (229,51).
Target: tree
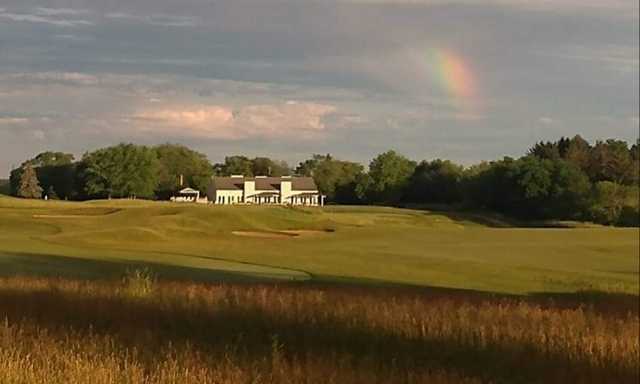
(530,188)
(389,173)
(307,167)
(51,159)
(5,187)
(264,166)
(362,188)
(612,161)
(235,165)
(438,181)
(578,152)
(29,187)
(545,150)
(334,178)
(55,171)
(634,152)
(608,202)
(569,192)
(123,170)
(176,162)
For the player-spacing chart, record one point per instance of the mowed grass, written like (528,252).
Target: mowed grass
(367,245)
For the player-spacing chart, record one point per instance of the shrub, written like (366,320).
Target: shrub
(629,217)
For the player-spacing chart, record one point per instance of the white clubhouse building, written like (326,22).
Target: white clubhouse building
(285,190)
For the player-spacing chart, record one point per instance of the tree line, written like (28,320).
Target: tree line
(567,179)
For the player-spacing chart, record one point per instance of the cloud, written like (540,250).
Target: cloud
(545,5)
(60,11)
(43,78)
(13,121)
(155,19)
(622,58)
(39,134)
(292,119)
(49,16)
(546,120)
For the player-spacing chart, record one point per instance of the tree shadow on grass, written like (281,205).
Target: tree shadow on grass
(492,219)
(50,265)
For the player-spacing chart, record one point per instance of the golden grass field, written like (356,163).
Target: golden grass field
(138,331)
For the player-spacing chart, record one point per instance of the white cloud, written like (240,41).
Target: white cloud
(56,19)
(73,38)
(60,11)
(155,19)
(296,120)
(545,120)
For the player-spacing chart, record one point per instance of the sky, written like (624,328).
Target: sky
(462,80)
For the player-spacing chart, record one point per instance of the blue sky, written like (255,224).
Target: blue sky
(287,78)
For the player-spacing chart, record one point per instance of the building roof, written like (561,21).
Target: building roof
(265,183)
(189,191)
(303,184)
(229,183)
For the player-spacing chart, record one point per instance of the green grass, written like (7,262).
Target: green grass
(368,245)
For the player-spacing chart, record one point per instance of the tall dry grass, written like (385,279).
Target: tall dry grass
(61,331)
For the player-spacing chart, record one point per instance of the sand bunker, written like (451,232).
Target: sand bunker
(288,234)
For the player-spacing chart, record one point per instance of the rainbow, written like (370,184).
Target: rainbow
(452,74)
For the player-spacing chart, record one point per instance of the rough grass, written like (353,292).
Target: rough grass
(372,245)
(62,331)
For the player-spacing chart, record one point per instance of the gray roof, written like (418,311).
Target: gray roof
(303,184)
(265,183)
(229,183)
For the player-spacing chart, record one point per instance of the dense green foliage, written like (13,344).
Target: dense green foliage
(337,179)
(437,181)
(5,187)
(259,166)
(56,174)
(389,175)
(530,188)
(179,166)
(28,185)
(121,171)
(568,179)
